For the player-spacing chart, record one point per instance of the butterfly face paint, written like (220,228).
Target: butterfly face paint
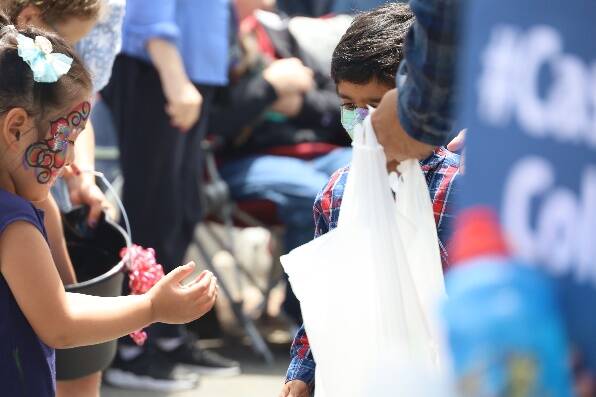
(48,156)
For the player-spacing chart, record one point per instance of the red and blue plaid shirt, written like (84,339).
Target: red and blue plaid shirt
(440,169)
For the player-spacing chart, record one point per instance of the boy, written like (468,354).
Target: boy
(364,66)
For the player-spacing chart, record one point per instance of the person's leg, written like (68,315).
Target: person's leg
(151,158)
(292,184)
(333,161)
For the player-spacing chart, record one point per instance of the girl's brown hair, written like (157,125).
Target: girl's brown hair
(19,89)
(54,11)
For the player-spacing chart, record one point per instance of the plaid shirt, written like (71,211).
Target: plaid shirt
(427,75)
(440,169)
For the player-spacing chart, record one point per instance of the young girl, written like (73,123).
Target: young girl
(72,19)
(44,105)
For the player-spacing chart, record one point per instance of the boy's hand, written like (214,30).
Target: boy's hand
(458,143)
(289,76)
(174,303)
(398,145)
(295,388)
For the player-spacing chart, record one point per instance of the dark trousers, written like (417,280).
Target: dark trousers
(162,167)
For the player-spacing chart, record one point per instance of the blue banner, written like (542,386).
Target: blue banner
(529,101)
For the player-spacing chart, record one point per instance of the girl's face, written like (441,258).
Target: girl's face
(45,149)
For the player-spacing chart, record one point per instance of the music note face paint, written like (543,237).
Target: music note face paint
(48,156)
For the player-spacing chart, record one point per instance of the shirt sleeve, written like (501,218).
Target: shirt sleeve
(427,76)
(302,365)
(143,23)
(321,217)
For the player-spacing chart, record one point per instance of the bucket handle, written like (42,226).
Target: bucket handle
(107,183)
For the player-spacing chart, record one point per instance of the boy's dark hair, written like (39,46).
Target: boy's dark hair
(17,87)
(373,46)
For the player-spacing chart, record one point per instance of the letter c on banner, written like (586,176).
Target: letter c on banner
(528,179)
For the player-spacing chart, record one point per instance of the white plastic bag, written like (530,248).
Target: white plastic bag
(368,288)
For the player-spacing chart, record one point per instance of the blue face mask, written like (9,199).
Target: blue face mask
(350,118)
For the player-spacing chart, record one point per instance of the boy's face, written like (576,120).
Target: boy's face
(355,100)
(361,95)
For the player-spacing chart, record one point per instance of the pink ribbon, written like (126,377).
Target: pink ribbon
(144,273)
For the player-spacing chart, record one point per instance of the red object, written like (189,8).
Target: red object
(477,233)
(144,273)
(251,24)
(304,150)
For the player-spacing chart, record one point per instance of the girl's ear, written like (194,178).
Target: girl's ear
(14,126)
(30,16)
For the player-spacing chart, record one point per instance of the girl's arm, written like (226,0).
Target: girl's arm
(54,228)
(64,320)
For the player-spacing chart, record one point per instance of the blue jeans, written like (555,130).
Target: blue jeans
(292,184)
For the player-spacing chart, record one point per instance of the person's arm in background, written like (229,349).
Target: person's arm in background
(98,50)
(423,118)
(81,184)
(184,100)
(321,105)
(153,30)
(242,104)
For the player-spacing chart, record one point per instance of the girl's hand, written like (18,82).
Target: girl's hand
(175,303)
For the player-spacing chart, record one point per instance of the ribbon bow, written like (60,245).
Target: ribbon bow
(47,67)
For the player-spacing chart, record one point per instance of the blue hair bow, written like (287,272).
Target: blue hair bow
(47,67)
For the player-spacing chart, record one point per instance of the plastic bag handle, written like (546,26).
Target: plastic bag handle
(364,134)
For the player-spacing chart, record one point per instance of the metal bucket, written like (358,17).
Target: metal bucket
(95,254)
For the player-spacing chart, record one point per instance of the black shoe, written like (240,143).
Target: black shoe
(203,361)
(149,371)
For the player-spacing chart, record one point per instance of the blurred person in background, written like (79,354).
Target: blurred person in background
(319,8)
(307,8)
(174,56)
(279,125)
(353,6)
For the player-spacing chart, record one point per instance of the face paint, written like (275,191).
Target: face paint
(48,156)
(350,118)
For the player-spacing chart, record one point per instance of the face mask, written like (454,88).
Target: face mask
(350,118)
